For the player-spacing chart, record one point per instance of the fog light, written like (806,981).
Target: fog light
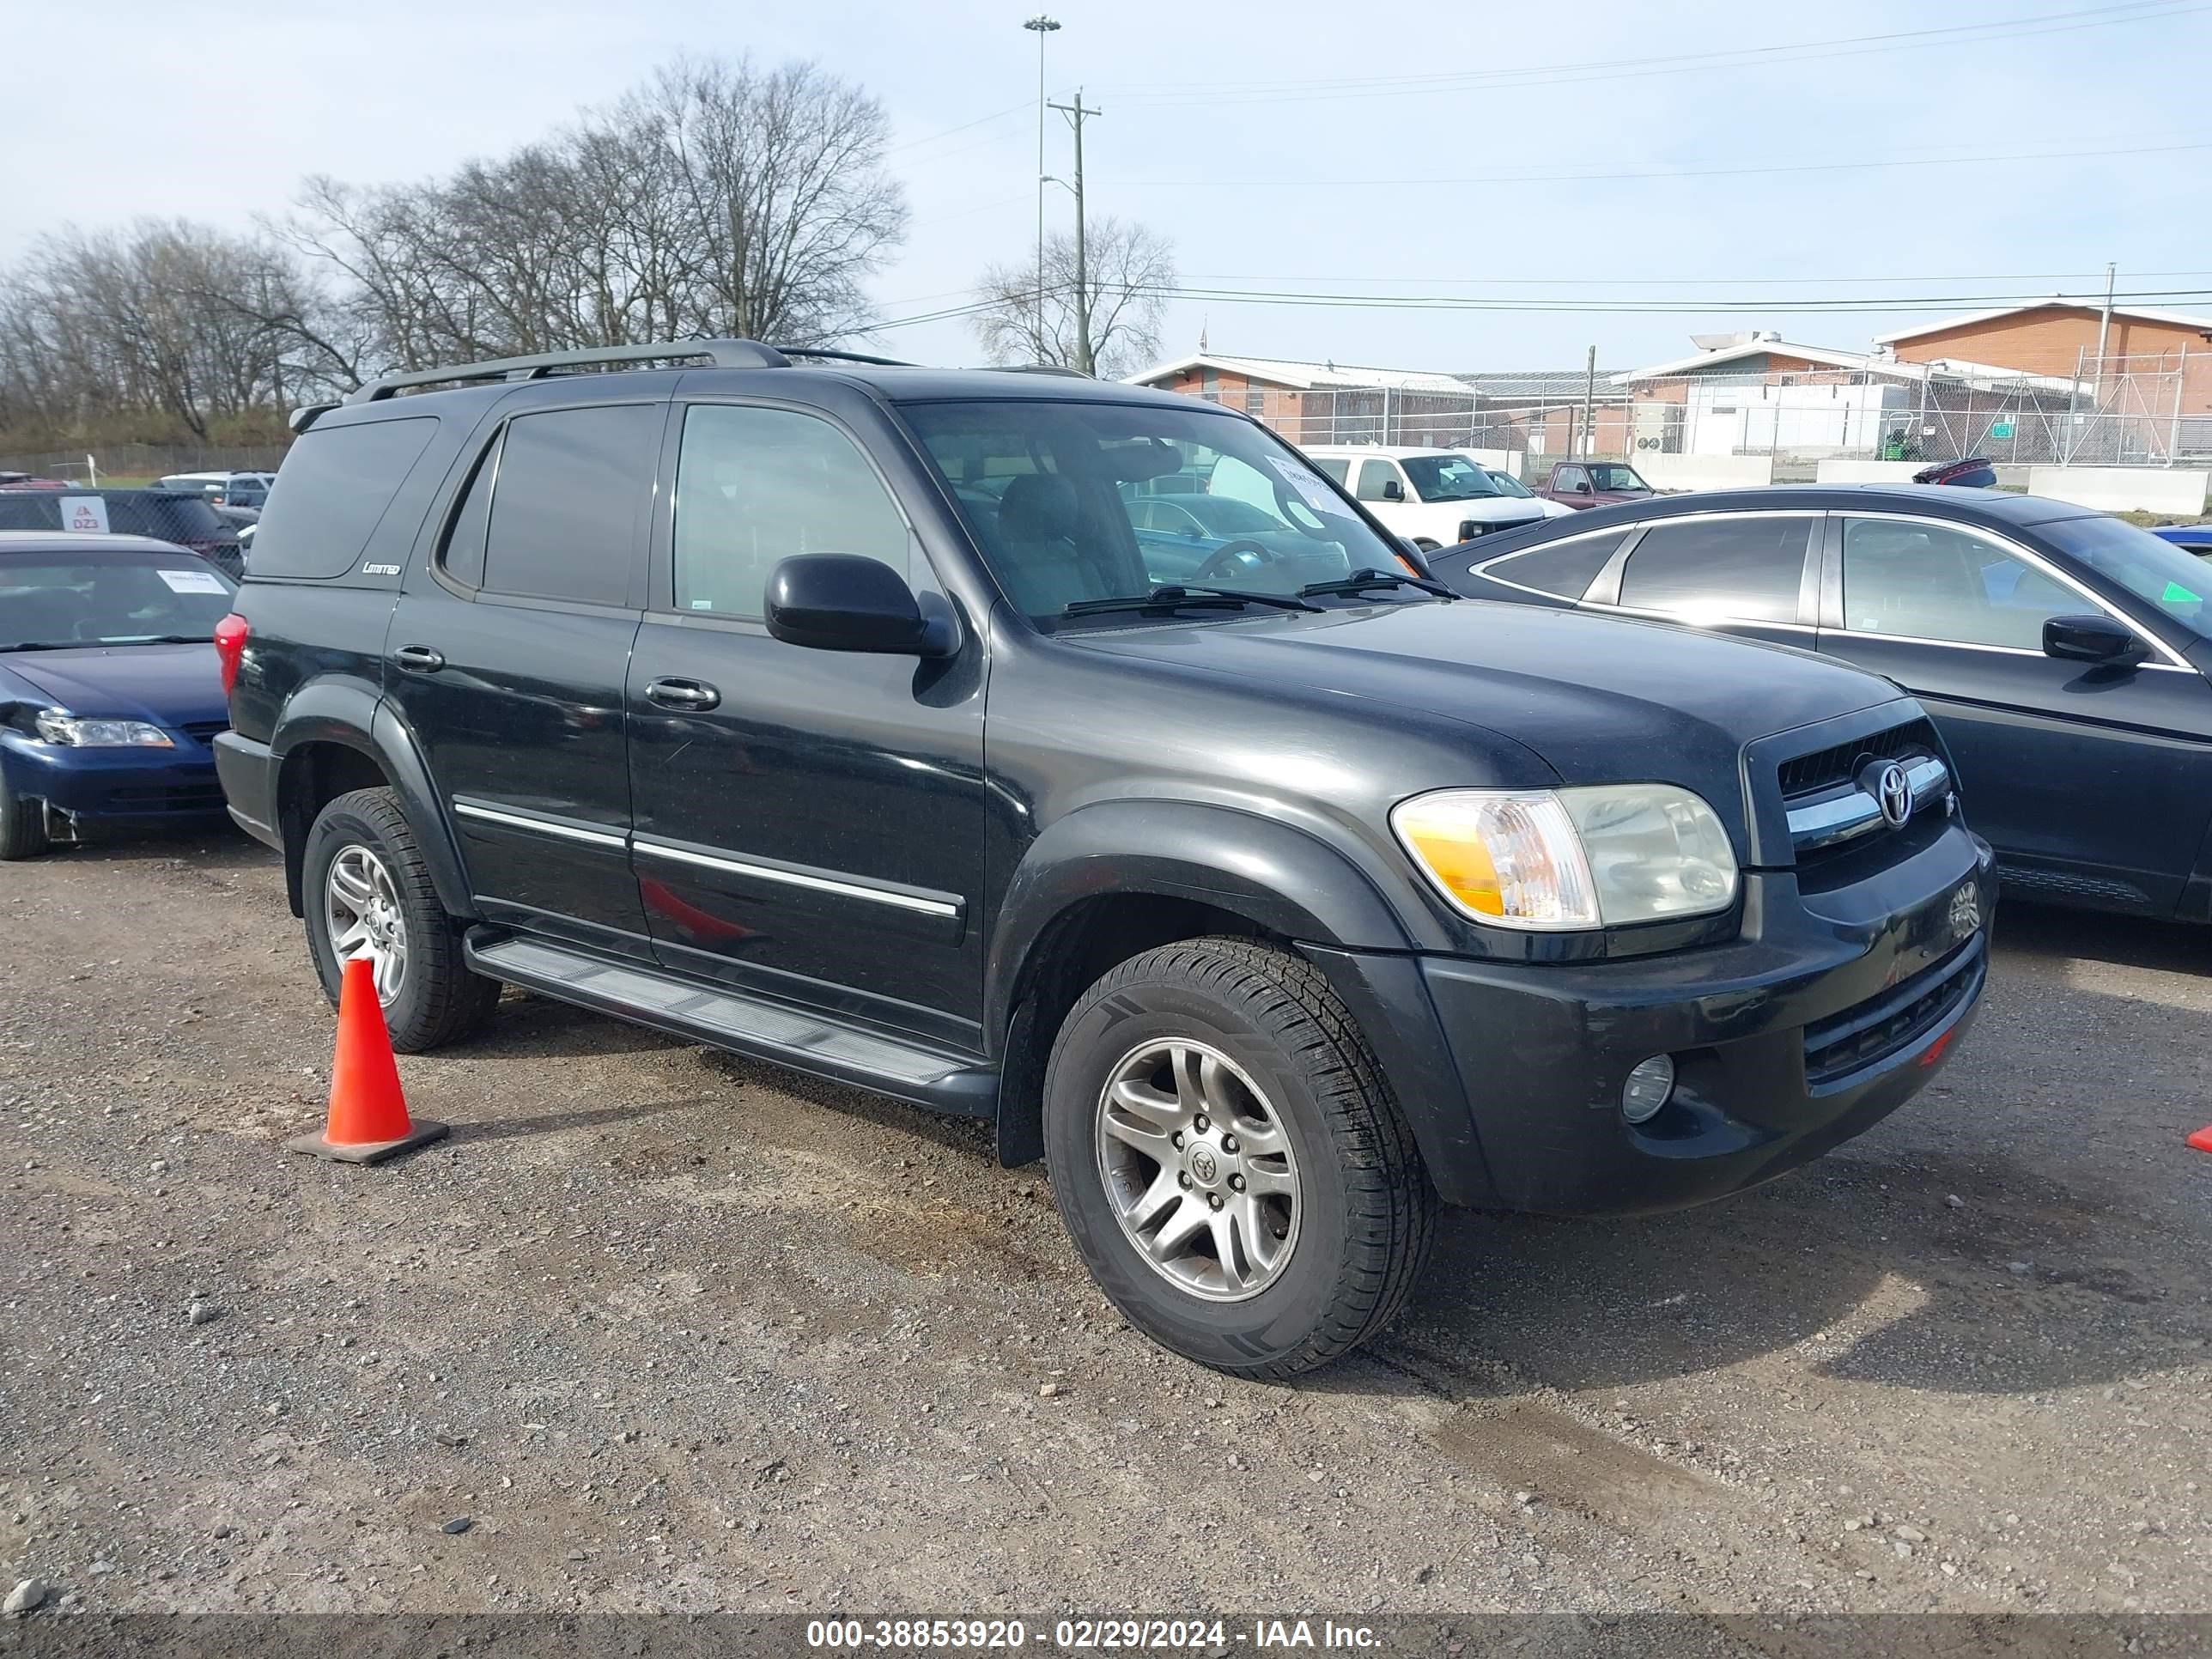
(1649,1086)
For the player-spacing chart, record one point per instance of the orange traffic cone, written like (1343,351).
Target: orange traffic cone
(367,1121)
(2202,1140)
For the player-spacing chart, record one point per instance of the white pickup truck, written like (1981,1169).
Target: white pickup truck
(1432,497)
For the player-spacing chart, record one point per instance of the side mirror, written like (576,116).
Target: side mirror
(2098,640)
(843,602)
(1582,489)
(1393,490)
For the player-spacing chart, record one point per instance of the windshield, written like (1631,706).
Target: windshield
(1049,492)
(1509,485)
(110,601)
(2155,571)
(1447,478)
(1621,480)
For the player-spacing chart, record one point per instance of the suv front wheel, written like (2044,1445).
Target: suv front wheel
(367,893)
(1228,1161)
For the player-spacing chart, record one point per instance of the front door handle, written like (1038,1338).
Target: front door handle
(419,659)
(694,694)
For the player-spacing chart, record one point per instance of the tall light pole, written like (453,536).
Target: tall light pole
(1040,25)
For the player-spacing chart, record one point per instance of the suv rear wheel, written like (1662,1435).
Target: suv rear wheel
(367,893)
(1229,1160)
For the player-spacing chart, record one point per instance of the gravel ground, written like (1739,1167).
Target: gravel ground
(659,1328)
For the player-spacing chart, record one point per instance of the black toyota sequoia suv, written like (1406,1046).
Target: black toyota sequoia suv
(886,723)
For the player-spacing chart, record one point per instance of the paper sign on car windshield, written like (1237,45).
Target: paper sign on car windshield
(84,513)
(1311,489)
(191,581)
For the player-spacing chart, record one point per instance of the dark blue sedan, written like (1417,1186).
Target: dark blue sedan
(110,694)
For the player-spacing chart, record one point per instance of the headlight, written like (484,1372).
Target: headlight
(1559,860)
(100,734)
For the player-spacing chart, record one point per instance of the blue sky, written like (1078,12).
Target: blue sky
(1598,152)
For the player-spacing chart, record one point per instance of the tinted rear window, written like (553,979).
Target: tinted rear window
(337,483)
(1748,567)
(564,507)
(1566,569)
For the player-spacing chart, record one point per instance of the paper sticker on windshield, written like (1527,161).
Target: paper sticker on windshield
(191,582)
(1310,489)
(2177,594)
(85,513)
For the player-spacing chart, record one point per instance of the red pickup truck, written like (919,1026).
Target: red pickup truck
(1594,483)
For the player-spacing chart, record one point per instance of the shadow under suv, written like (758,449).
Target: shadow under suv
(832,711)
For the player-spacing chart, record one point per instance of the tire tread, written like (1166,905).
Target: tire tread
(1394,1207)
(459,1000)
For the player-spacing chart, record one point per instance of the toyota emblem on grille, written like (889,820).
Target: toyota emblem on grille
(1894,791)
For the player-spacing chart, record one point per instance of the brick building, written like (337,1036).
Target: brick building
(1326,402)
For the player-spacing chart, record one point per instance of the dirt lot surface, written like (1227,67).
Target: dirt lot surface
(674,1331)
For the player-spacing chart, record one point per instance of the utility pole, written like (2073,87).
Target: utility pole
(1040,26)
(1076,113)
(2105,330)
(1589,400)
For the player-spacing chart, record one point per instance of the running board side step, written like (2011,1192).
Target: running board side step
(752,1026)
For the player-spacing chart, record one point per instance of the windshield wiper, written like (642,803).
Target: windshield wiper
(160,639)
(1360,581)
(1180,597)
(48,645)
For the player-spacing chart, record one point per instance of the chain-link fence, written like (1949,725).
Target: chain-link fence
(2117,411)
(133,463)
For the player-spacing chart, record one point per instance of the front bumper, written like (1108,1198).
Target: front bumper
(114,783)
(1827,1014)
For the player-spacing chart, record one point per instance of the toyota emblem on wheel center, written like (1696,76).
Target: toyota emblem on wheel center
(1894,791)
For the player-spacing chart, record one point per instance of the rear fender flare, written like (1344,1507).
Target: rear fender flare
(354,715)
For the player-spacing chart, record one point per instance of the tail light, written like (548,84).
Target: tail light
(230,635)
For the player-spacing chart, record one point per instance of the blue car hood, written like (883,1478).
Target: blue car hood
(168,685)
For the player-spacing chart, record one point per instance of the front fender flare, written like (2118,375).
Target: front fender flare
(1280,878)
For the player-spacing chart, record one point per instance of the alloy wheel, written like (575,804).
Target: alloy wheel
(1198,1168)
(361,909)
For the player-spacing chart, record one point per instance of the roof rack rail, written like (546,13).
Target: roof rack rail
(841,356)
(1049,368)
(723,353)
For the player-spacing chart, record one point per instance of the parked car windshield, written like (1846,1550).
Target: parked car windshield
(1621,480)
(1053,493)
(113,599)
(1447,478)
(2169,577)
(1509,485)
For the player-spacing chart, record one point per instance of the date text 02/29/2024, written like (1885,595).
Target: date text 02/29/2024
(1211,1636)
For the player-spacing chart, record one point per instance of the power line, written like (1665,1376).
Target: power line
(1838,306)
(1646,66)
(1666,282)
(1664,174)
(947,132)
(1843,305)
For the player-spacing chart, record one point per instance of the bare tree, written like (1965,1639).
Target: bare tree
(715,199)
(1131,273)
(168,322)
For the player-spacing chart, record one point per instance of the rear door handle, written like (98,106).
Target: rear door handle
(682,694)
(419,659)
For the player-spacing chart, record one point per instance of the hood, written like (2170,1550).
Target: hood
(1600,699)
(168,685)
